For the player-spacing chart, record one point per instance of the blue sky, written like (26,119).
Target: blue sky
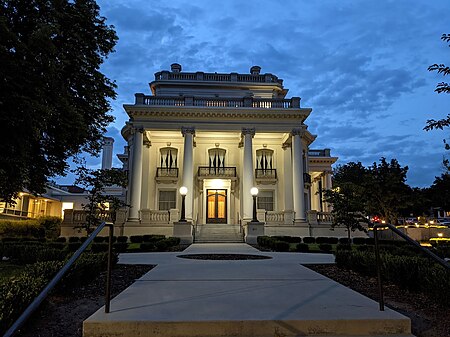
(360,65)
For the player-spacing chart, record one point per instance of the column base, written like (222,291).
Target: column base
(252,230)
(301,223)
(183,230)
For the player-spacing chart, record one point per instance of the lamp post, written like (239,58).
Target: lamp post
(183,192)
(254,193)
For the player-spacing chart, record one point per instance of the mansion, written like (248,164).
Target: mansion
(217,135)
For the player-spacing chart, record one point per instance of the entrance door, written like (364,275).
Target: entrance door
(216,206)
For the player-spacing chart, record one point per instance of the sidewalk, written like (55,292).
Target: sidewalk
(271,297)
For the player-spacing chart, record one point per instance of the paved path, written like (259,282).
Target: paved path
(271,297)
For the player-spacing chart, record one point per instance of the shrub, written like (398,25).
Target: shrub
(26,253)
(359,241)
(152,238)
(122,239)
(325,247)
(51,225)
(98,247)
(290,239)
(343,246)
(120,247)
(344,241)
(61,239)
(171,241)
(369,241)
(83,238)
(321,239)
(302,247)
(147,247)
(42,227)
(263,241)
(10,239)
(161,245)
(74,239)
(443,251)
(309,239)
(136,238)
(73,246)
(281,246)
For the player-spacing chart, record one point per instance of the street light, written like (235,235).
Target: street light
(254,193)
(183,192)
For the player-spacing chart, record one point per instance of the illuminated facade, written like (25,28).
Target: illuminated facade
(219,135)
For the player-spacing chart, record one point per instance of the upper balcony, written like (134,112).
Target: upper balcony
(205,172)
(222,102)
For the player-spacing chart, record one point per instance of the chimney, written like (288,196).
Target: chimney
(107,153)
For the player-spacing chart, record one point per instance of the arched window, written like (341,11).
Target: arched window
(168,157)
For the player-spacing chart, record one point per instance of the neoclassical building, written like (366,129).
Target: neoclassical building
(219,135)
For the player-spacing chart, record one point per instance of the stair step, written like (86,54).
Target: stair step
(216,233)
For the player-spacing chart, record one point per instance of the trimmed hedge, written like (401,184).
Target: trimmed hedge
(325,247)
(136,239)
(309,239)
(302,247)
(49,226)
(415,273)
(25,253)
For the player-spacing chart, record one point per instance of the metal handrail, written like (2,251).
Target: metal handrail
(409,240)
(44,293)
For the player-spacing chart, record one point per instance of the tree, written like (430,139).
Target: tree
(386,191)
(96,183)
(347,198)
(54,101)
(439,192)
(441,87)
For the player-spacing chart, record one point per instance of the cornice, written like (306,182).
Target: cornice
(323,160)
(222,113)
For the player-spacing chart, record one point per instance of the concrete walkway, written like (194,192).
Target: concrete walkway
(207,298)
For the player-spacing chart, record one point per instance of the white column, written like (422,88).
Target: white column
(288,191)
(188,169)
(247,174)
(297,176)
(146,180)
(136,175)
(328,186)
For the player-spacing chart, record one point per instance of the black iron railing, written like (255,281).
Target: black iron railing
(265,173)
(410,241)
(226,172)
(44,293)
(167,172)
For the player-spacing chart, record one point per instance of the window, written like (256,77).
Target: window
(168,158)
(216,158)
(167,200)
(265,200)
(264,160)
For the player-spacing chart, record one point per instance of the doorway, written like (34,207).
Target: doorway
(216,206)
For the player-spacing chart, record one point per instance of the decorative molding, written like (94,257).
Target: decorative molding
(190,130)
(147,141)
(298,131)
(248,131)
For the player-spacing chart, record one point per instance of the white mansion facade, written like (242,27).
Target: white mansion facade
(219,135)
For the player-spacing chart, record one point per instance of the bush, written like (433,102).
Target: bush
(73,246)
(263,241)
(302,247)
(136,239)
(344,241)
(171,241)
(443,251)
(309,239)
(161,245)
(98,247)
(122,239)
(280,246)
(369,241)
(290,239)
(325,247)
(42,227)
(147,247)
(321,239)
(27,254)
(359,241)
(74,239)
(61,239)
(120,247)
(51,225)
(100,239)
(333,241)
(153,238)
(343,246)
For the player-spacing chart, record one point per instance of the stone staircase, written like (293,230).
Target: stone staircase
(218,233)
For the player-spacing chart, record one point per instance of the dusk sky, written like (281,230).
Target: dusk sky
(360,65)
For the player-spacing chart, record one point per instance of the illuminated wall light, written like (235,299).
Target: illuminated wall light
(440,235)
(383,221)
(432,222)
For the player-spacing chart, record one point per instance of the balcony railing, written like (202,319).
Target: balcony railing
(167,172)
(214,77)
(218,172)
(319,153)
(265,173)
(219,102)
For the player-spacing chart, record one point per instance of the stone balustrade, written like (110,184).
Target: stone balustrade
(215,77)
(154,216)
(78,217)
(218,102)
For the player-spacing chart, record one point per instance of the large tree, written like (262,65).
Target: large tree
(441,87)
(54,101)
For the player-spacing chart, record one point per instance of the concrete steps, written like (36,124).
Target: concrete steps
(218,233)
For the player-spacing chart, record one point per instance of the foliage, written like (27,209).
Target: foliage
(25,253)
(439,192)
(42,227)
(18,293)
(411,272)
(96,182)
(54,101)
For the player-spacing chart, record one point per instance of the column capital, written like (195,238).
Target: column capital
(190,130)
(135,129)
(286,145)
(299,131)
(248,131)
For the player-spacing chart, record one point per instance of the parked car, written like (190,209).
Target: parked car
(442,222)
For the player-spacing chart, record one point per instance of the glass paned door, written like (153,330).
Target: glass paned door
(216,206)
